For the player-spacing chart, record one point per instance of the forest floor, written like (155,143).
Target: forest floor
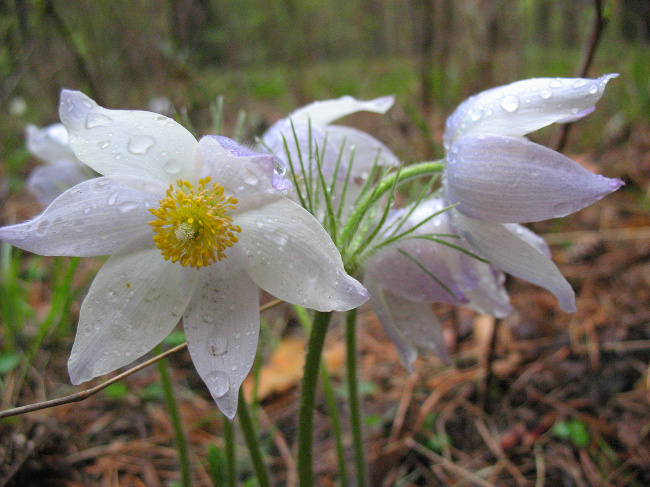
(567,401)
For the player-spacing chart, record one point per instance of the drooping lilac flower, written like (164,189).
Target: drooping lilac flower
(61,171)
(496,177)
(192,229)
(408,274)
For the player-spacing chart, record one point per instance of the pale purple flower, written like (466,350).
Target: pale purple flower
(495,176)
(405,276)
(219,228)
(61,171)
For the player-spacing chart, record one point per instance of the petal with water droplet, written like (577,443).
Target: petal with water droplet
(547,100)
(118,321)
(224,347)
(322,113)
(140,143)
(306,269)
(512,180)
(106,229)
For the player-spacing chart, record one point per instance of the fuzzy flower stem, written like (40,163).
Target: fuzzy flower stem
(231,464)
(385,185)
(252,442)
(308,397)
(353,396)
(175,417)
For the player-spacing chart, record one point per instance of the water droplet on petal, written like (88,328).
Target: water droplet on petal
(140,144)
(87,103)
(172,166)
(112,198)
(94,120)
(510,103)
(593,89)
(103,144)
(217,344)
(579,83)
(545,94)
(250,178)
(43,228)
(151,294)
(556,83)
(218,383)
(127,206)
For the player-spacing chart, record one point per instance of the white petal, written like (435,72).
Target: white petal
(222,327)
(362,148)
(47,182)
(512,180)
(410,325)
(96,217)
(322,113)
(514,256)
(133,303)
(287,253)
(50,144)
(138,143)
(524,106)
(242,174)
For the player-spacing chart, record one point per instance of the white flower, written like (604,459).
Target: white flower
(192,229)
(62,169)
(496,177)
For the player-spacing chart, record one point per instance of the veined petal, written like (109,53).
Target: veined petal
(512,255)
(239,170)
(524,106)
(138,143)
(416,269)
(287,253)
(133,303)
(530,237)
(512,180)
(222,327)
(322,113)
(47,182)
(96,217)
(410,325)
(50,144)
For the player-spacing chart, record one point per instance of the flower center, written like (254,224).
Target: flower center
(192,226)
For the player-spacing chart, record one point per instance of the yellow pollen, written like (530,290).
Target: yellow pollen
(192,226)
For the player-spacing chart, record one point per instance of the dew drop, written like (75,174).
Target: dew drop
(259,223)
(476,115)
(593,89)
(112,198)
(172,166)
(250,178)
(151,294)
(217,344)
(43,228)
(233,368)
(579,83)
(556,83)
(218,383)
(104,144)
(545,94)
(140,144)
(87,103)
(510,103)
(94,120)
(127,206)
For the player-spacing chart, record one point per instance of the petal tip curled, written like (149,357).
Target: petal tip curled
(74,108)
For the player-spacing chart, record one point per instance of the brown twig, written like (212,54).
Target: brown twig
(80,396)
(489,369)
(588,57)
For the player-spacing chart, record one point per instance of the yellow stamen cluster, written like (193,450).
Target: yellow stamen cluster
(192,226)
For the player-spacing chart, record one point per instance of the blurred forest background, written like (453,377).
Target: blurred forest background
(571,402)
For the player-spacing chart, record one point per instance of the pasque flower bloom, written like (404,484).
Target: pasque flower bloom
(430,264)
(61,171)
(496,177)
(192,229)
